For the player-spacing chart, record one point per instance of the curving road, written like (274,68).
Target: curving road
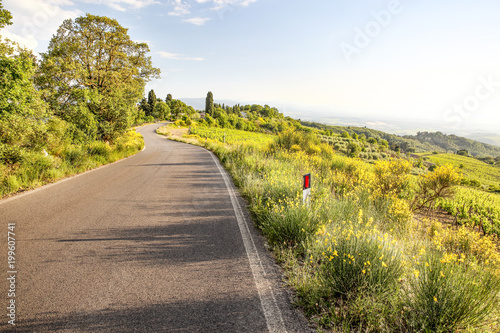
(154,243)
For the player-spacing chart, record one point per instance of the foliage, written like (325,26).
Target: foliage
(5,17)
(306,141)
(449,295)
(434,185)
(356,147)
(179,108)
(29,169)
(151,103)
(474,208)
(209,104)
(465,243)
(455,143)
(93,64)
(356,258)
(22,112)
(288,223)
(232,136)
(374,137)
(161,110)
(474,170)
(392,177)
(36,146)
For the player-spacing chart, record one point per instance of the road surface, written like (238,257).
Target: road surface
(153,243)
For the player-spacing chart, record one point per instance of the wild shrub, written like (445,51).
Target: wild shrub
(74,155)
(447,295)
(355,258)
(466,243)
(306,141)
(288,224)
(99,148)
(130,142)
(391,177)
(436,184)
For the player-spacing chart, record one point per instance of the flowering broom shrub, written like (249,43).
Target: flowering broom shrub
(448,294)
(355,257)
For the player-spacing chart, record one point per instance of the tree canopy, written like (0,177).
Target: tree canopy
(92,67)
(22,112)
(5,17)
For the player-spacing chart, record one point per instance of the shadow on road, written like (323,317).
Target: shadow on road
(182,233)
(223,315)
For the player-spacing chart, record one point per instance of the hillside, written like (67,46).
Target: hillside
(453,143)
(405,144)
(489,138)
(422,142)
(481,173)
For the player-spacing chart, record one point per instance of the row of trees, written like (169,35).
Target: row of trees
(249,117)
(154,108)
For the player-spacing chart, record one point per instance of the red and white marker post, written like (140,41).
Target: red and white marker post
(306,188)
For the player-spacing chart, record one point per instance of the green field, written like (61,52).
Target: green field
(233,136)
(473,169)
(474,208)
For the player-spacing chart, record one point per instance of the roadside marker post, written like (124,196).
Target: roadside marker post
(306,189)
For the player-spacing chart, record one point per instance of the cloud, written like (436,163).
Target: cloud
(197,20)
(176,56)
(219,4)
(181,8)
(123,5)
(35,21)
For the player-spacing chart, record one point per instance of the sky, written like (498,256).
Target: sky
(436,62)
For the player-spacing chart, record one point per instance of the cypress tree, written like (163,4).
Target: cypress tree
(151,102)
(209,104)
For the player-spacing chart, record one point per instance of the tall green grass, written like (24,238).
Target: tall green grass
(32,169)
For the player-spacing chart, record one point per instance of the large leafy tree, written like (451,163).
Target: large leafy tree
(5,17)
(93,74)
(23,114)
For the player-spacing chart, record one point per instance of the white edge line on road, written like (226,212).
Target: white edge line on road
(270,307)
(46,186)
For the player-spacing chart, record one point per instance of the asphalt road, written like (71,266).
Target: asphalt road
(154,243)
